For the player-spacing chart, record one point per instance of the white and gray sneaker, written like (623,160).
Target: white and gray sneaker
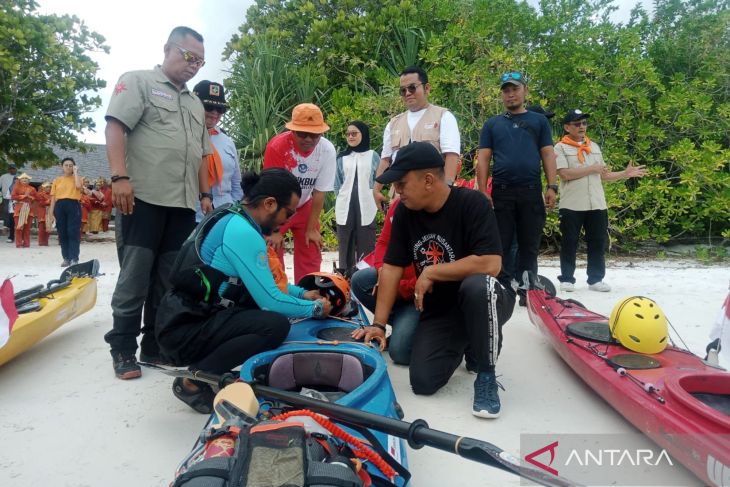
(567,287)
(600,286)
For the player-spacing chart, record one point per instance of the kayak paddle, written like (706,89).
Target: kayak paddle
(417,434)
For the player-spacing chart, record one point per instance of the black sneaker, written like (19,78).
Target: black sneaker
(486,396)
(125,366)
(201,400)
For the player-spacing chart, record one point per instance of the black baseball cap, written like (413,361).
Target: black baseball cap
(413,157)
(575,114)
(211,93)
(512,78)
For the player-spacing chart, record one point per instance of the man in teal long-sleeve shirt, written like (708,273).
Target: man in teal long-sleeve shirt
(240,310)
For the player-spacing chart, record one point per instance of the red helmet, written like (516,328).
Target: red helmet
(332,286)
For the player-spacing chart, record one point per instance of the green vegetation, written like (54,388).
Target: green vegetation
(47,82)
(658,87)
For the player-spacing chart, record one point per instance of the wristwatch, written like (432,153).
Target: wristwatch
(205,195)
(554,187)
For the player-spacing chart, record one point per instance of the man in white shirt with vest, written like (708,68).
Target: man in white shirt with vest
(423,122)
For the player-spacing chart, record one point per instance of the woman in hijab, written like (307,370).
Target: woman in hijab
(355,206)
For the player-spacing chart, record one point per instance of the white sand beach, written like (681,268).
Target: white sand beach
(67,421)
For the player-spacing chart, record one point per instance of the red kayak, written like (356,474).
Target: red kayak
(674,397)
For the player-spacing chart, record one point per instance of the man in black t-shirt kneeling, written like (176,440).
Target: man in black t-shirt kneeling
(451,236)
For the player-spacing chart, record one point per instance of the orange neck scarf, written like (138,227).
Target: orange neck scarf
(584,147)
(277,269)
(215,165)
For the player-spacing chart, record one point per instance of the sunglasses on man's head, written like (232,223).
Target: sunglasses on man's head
(189,57)
(307,135)
(515,75)
(214,108)
(411,88)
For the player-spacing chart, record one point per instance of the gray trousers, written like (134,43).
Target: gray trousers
(148,241)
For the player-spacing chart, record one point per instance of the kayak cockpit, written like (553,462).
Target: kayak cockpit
(332,374)
(705,394)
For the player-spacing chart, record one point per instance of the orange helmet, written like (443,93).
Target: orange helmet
(331,286)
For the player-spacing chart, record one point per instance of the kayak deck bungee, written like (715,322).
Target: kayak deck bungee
(71,296)
(673,397)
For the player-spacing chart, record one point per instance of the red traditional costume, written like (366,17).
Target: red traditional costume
(24,195)
(42,201)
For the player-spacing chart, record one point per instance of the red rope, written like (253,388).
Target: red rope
(358,446)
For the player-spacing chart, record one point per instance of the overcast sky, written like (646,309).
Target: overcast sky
(136,30)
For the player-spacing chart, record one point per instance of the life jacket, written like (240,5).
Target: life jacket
(199,282)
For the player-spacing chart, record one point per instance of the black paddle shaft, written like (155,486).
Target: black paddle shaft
(417,433)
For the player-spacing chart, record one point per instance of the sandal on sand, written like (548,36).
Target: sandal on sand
(200,400)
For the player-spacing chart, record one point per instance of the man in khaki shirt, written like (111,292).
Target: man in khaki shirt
(156,141)
(582,171)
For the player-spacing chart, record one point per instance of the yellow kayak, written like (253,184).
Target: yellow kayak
(56,309)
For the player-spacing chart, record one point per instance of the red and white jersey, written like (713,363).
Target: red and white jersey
(315,170)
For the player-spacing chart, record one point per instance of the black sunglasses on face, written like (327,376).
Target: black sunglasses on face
(307,135)
(582,123)
(214,108)
(411,88)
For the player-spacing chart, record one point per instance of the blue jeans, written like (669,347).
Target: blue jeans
(404,316)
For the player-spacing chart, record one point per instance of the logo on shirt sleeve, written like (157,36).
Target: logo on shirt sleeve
(119,87)
(302,168)
(262,260)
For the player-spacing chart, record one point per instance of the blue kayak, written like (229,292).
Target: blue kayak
(319,359)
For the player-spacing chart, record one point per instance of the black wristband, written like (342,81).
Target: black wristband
(378,325)
(554,187)
(118,178)
(205,195)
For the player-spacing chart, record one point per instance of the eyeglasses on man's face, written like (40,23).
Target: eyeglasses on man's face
(411,88)
(307,135)
(581,123)
(515,75)
(189,57)
(289,211)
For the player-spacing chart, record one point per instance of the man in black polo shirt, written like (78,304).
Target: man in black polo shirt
(518,140)
(451,236)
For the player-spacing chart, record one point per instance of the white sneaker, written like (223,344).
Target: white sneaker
(567,287)
(599,286)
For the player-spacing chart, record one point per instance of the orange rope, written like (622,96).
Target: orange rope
(359,447)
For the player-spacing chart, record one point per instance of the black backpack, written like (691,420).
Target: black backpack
(198,281)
